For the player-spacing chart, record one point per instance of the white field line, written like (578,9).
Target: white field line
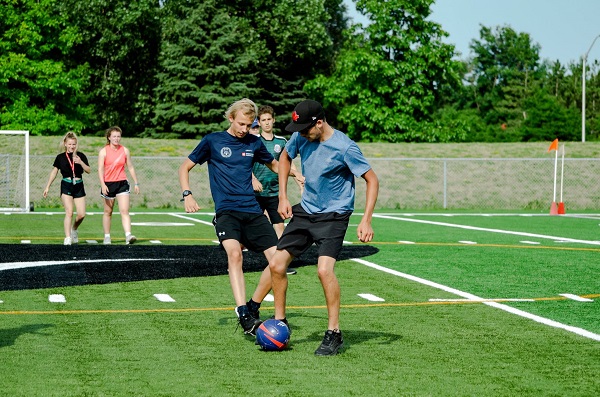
(518,312)
(23,265)
(191,219)
(483,229)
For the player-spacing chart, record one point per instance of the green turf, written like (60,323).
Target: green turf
(117,340)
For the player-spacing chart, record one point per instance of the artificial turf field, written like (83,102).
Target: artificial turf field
(438,305)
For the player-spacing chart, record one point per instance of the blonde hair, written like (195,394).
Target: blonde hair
(68,135)
(244,105)
(110,130)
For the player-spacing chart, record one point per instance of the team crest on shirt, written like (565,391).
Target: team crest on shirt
(277,148)
(226,152)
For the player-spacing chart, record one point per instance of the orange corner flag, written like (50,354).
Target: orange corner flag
(553,145)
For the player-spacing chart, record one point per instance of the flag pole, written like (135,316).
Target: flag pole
(561,204)
(554,207)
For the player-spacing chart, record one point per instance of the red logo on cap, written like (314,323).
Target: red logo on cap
(295,116)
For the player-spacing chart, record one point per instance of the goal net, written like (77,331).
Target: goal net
(14,171)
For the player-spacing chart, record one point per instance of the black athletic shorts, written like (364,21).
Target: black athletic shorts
(115,189)
(326,230)
(270,205)
(74,190)
(254,231)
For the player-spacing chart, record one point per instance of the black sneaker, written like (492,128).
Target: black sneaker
(253,309)
(291,270)
(249,323)
(332,343)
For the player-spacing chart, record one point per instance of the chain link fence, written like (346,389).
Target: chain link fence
(415,184)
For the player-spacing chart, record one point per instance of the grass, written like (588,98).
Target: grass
(117,340)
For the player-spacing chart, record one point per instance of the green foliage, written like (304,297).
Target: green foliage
(387,81)
(39,89)
(120,42)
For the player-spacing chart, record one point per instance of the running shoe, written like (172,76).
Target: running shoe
(67,241)
(332,343)
(130,239)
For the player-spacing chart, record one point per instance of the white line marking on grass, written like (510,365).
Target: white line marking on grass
(530,242)
(25,241)
(57,298)
(23,265)
(192,219)
(518,312)
(576,298)
(371,297)
(467,242)
(1,301)
(406,242)
(483,229)
(348,242)
(164,297)
(160,224)
(483,300)
(91,241)
(155,242)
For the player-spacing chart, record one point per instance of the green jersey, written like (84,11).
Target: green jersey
(269,179)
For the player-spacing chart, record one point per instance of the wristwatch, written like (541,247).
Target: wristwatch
(186,193)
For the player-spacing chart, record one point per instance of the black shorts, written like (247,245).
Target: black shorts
(74,190)
(270,205)
(115,189)
(254,231)
(326,230)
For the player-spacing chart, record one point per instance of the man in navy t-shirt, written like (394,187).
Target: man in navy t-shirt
(239,219)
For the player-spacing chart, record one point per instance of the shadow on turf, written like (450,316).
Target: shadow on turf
(50,266)
(10,335)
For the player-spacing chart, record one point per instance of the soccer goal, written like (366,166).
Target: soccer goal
(14,171)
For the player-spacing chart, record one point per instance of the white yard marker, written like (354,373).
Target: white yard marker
(371,297)
(348,242)
(269,298)
(25,241)
(155,242)
(467,242)
(576,298)
(530,242)
(406,242)
(1,302)
(91,241)
(164,297)
(57,298)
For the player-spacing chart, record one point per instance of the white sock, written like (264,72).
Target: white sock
(107,235)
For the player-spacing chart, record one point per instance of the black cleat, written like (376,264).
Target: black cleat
(332,343)
(291,270)
(249,323)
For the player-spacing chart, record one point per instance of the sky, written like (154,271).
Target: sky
(565,29)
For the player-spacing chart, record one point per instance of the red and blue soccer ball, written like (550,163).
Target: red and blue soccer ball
(273,335)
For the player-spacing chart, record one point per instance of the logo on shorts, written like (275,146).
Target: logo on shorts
(277,148)
(226,152)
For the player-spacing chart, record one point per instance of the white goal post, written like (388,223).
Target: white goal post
(14,171)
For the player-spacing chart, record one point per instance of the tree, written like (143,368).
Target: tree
(215,52)
(40,90)
(120,41)
(388,79)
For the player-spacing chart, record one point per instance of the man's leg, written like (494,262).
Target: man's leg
(236,274)
(331,289)
(278,266)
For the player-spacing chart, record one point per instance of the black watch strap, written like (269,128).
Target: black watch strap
(186,193)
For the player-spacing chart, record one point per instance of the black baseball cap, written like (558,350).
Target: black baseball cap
(305,114)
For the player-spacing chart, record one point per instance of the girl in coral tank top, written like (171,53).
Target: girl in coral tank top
(112,160)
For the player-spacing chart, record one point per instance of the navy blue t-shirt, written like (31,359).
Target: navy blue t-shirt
(230,162)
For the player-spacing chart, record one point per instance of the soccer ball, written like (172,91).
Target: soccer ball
(273,335)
